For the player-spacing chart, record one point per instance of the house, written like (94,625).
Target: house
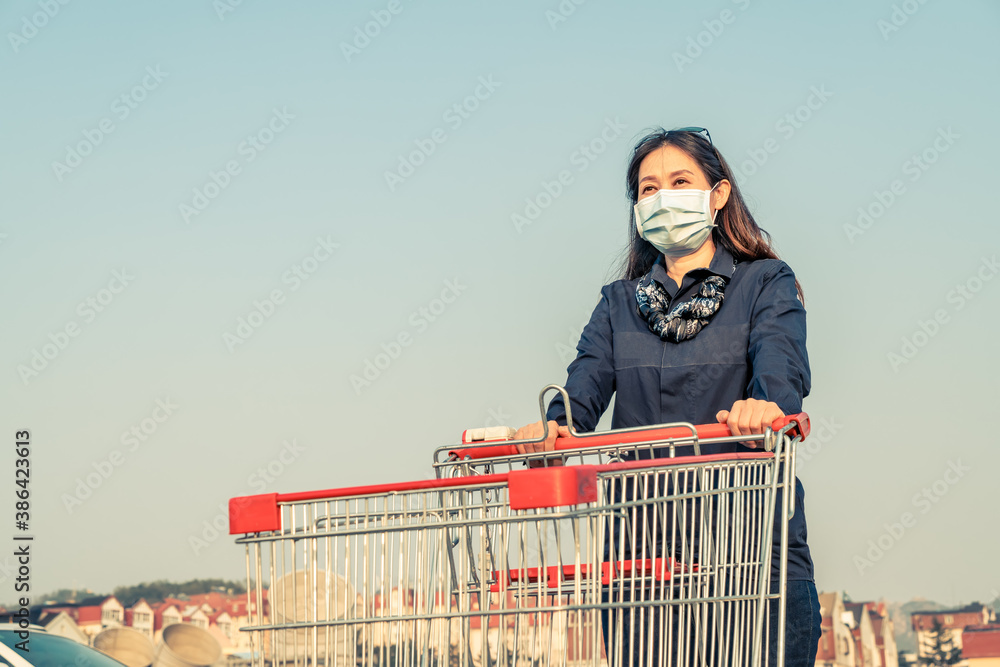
(837,646)
(220,626)
(166,613)
(214,600)
(981,645)
(112,613)
(196,616)
(876,648)
(243,613)
(140,616)
(522,631)
(88,619)
(954,620)
(885,634)
(508,620)
(855,634)
(90,616)
(866,653)
(62,624)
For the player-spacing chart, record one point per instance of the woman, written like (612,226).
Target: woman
(707,324)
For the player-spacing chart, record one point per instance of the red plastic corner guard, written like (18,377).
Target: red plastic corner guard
(801,421)
(552,487)
(254,514)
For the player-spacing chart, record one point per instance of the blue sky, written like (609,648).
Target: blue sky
(116,116)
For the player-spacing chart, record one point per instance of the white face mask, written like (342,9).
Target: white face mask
(676,222)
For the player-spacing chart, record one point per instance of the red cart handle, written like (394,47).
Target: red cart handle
(799,422)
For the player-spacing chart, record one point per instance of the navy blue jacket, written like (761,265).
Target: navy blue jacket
(753,347)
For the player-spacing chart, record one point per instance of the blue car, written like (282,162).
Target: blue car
(46,650)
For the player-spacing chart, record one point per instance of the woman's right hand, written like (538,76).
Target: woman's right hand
(534,432)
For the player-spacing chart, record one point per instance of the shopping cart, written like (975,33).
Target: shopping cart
(601,561)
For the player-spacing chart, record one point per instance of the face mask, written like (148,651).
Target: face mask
(676,222)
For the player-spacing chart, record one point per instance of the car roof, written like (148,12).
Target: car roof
(16,626)
(13,657)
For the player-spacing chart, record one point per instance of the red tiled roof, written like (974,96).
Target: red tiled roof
(215,600)
(974,608)
(236,606)
(158,613)
(959,619)
(55,609)
(877,622)
(88,614)
(214,616)
(981,642)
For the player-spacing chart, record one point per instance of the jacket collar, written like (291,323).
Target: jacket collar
(722,264)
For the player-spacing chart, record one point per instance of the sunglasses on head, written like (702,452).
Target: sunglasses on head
(696,130)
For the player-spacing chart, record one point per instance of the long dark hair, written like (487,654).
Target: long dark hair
(737,231)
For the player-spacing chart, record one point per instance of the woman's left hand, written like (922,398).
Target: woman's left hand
(749,416)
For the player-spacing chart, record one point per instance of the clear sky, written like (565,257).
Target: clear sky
(169,169)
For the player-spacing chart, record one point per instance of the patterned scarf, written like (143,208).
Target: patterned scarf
(686,318)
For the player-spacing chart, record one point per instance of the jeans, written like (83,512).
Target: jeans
(803,627)
(802,634)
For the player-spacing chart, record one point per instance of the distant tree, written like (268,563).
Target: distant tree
(68,595)
(156,591)
(938,647)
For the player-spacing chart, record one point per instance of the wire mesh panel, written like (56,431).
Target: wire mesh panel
(414,577)
(654,562)
(712,517)
(706,529)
